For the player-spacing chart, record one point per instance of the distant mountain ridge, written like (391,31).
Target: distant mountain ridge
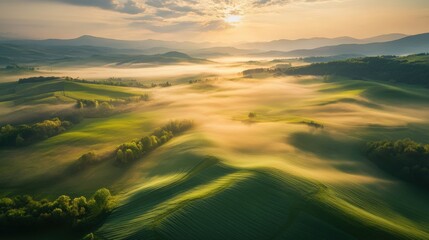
(78,55)
(150,44)
(404,46)
(309,43)
(104,50)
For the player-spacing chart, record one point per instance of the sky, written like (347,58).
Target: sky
(211,20)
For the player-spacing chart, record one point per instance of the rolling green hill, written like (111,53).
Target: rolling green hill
(85,55)
(35,101)
(413,69)
(272,174)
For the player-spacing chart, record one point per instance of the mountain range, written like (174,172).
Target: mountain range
(89,49)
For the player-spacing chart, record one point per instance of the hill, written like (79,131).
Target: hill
(408,45)
(151,46)
(413,69)
(79,55)
(309,43)
(87,40)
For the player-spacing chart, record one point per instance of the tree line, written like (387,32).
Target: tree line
(119,82)
(385,68)
(26,134)
(88,103)
(36,79)
(404,159)
(22,213)
(131,151)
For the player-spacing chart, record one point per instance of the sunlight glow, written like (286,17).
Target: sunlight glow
(232,19)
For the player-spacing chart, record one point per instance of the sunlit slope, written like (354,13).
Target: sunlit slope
(272,176)
(210,200)
(61,90)
(323,188)
(24,102)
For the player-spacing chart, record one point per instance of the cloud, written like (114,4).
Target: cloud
(166,27)
(127,6)
(182,15)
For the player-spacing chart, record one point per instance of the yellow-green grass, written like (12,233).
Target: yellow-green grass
(234,203)
(31,93)
(22,166)
(274,179)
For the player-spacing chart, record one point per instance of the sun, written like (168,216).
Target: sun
(232,19)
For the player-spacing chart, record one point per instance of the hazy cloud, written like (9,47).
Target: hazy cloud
(127,6)
(181,15)
(166,27)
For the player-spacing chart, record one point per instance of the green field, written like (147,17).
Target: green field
(270,176)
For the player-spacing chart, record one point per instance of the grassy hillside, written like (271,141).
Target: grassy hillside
(13,53)
(407,45)
(412,69)
(26,102)
(272,174)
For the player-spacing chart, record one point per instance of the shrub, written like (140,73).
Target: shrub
(87,160)
(135,149)
(404,158)
(23,213)
(27,134)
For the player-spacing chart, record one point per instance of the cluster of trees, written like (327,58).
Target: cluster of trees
(131,151)
(314,124)
(166,84)
(278,69)
(119,82)
(25,134)
(194,81)
(112,82)
(86,160)
(386,68)
(405,159)
(23,213)
(36,79)
(109,105)
(250,72)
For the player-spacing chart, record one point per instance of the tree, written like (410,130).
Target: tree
(120,156)
(147,143)
(19,140)
(129,155)
(102,197)
(105,107)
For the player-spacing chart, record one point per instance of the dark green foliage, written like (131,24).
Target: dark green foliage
(131,151)
(314,124)
(111,82)
(85,103)
(27,134)
(36,79)
(252,115)
(119,82)
(166,84)
(405,159)
(386,68)
(86,160)
(330,58)
(23,213)
(249,73)
(109,106)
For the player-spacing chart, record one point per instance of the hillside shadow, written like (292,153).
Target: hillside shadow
(343,153)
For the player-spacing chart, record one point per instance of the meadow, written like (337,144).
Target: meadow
(272,174)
